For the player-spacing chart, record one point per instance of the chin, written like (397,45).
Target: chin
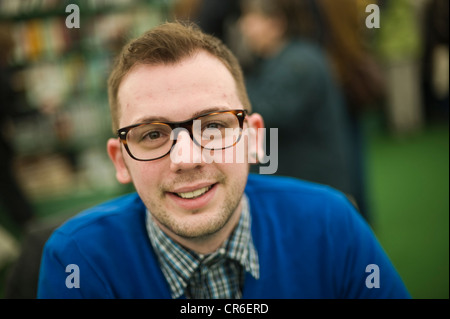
(200,225)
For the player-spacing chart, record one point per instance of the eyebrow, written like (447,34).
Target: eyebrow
(148,119)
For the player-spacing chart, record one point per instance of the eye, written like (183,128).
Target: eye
(153,135)
(213,126)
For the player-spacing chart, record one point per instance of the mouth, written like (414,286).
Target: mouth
(195,193)
(193,197)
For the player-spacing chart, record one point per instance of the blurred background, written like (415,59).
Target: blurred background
(55,115)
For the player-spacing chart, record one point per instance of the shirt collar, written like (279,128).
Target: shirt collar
(178,263)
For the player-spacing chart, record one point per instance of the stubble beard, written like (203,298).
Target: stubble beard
(199,227)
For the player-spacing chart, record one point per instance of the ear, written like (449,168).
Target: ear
(256,138)
(115,154)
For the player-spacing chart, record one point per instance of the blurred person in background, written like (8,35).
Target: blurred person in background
(13,201)
(212,16)
(347,42)
(399,47)
(435,68)
(292,85)
(341,31)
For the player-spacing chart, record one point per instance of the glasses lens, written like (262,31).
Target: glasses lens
(149,141)
(219,131)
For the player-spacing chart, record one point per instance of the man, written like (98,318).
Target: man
(199,226)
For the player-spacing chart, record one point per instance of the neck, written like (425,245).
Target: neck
(209,243)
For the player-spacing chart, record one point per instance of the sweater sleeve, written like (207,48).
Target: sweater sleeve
(66,274)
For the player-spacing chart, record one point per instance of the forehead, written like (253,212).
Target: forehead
(174,92)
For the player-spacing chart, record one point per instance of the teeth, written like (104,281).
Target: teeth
(195,193)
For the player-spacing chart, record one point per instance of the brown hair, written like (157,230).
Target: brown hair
(169,43)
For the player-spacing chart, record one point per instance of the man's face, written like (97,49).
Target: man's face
(177,93)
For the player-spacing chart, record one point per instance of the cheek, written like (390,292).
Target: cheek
(236,173)
(145,176)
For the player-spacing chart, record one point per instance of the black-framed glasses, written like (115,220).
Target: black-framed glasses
(215,130)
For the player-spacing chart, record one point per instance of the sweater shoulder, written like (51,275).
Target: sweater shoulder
(116,210)
(288,199)
(289,188)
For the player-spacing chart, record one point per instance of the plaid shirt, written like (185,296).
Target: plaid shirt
(216,275)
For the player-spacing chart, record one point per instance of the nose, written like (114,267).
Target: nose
(185,154)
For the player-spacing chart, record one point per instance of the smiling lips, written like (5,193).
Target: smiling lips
(194,194)
(195,197)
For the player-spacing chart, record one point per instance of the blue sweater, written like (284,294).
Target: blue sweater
(310,240)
